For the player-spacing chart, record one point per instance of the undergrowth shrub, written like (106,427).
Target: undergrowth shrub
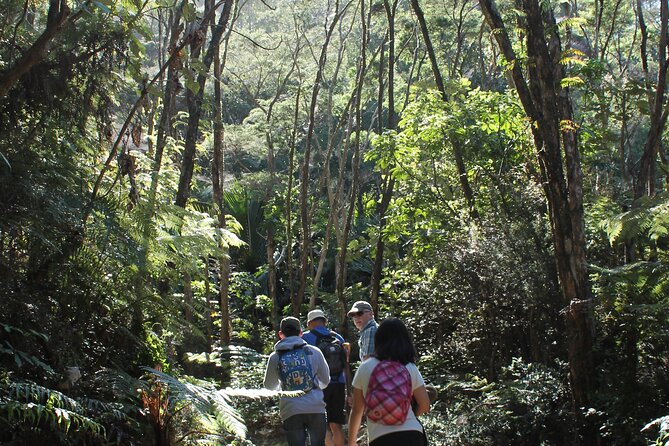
(260,415)
(529,405)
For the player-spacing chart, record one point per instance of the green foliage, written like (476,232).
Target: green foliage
(527,405)
(248,370)
(21,357)
(648,220)
(100,284)
(28,410)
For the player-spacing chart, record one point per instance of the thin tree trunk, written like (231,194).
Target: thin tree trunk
(390,16)
(289,213)
(164,125)
(645,184)
(381,88)
(377,269)
(389,181)
(188,309)
(271,244)
(218,178)
(207,307)
(194,99)
(343,243)
(305,247)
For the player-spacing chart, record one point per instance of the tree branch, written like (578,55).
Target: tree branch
(57,19)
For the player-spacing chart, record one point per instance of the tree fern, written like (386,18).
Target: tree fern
(209,405)
(648,220)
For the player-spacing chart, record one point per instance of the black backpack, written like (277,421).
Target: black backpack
(334,352)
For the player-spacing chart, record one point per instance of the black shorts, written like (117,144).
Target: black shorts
(400,438)
(334,396)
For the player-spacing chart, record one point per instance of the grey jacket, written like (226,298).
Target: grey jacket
(312,401)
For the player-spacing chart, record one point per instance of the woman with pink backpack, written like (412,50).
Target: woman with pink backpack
(383,388)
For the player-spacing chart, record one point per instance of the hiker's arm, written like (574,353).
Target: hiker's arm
(422,400)
(355,419)
(349,386)
(272,381)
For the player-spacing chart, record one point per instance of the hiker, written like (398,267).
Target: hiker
(332,346)
(383,388)
(295,365)
(363,318)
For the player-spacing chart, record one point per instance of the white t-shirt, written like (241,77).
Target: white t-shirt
(361,381)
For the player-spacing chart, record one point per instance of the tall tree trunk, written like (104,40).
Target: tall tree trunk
(549,108)
(375,286)
(194,99)
(218,178)
(289,213)
(348,222)
(270,232)
(218,173)
(305,246)
(164,124)
(388,186)
(645,183)
(271,245)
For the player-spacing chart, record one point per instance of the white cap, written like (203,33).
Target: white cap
(315,314)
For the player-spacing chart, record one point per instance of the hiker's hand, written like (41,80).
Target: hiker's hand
(349,400)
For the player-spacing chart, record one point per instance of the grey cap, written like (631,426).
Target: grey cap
(360,305)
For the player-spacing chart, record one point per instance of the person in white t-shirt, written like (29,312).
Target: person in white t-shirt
(392,342)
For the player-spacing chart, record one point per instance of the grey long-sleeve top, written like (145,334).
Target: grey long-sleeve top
(312,401)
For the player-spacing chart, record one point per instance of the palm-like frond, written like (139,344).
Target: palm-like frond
(209,401)
(28,402)
(205,400)
(648,220)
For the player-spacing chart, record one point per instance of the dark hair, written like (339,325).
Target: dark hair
(290,326)
(290,331)
(392,341)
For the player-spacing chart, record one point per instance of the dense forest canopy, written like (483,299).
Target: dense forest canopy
(177,176)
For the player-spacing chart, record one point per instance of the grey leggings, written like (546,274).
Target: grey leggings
(299,426)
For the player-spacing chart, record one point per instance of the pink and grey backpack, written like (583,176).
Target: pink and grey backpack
(388,397)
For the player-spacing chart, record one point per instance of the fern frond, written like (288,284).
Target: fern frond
(32,403)
(33,393)
(571,82)
(648,220)
(57,417)
(204,400)
(258,394)
(572,22)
